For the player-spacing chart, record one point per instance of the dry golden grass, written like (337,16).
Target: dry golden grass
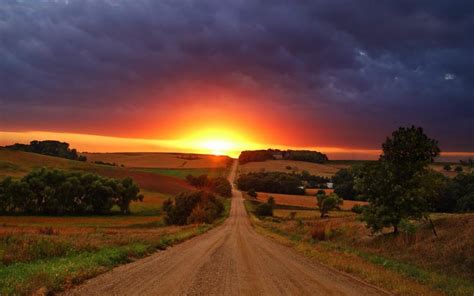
(302,200)
(327,170)
(159,160)
(313,191)
(408,264)
(28,243)
(308,214)
(354,265)
(18,163)
(17,223)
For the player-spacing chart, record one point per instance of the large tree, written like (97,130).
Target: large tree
(394,185)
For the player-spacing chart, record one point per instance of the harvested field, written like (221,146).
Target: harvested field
(288,166)
(308,214)
(160,160)
(147,181)
(313,191)
(19,163)
(182,173)
(302,200)
(33,222)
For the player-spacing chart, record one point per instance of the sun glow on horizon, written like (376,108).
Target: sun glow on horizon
(217,142)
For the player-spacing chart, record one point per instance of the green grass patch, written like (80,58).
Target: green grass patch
(56,273)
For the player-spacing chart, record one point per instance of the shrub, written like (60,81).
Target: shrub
(359,209)
(251,192)
(318,232)
(193,207)
(457,195)
(458,169)
(199,182)
(264,209)
(447,167)
(219,185)
(327,203)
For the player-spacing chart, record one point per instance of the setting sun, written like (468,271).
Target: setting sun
(217,147)
(217,141)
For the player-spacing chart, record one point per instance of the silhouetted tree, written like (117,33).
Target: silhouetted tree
(49,147)
(394,184)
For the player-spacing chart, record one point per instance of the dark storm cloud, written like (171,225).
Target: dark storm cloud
(375,64)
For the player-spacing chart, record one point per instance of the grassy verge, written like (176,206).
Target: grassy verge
(57,268)
(382,271)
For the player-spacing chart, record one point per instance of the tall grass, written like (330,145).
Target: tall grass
(36,262)
(415,264)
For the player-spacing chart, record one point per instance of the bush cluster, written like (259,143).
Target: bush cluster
(274,182)
(358,209)
(56,192)
(452,195)
(313,181)
(193,207)
(105,163)
(269,154)
(51,148)
(220,185)
(265,209)
(344,184)
(327,203)
(251,192)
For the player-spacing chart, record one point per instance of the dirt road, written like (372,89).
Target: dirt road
(231,259)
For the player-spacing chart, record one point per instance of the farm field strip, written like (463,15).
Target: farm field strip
(160,160)
(288,166)
(302,200)
(182,173)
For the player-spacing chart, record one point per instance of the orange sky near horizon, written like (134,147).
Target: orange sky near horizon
(216,141)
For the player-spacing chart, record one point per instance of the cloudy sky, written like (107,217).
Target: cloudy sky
(297,73)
